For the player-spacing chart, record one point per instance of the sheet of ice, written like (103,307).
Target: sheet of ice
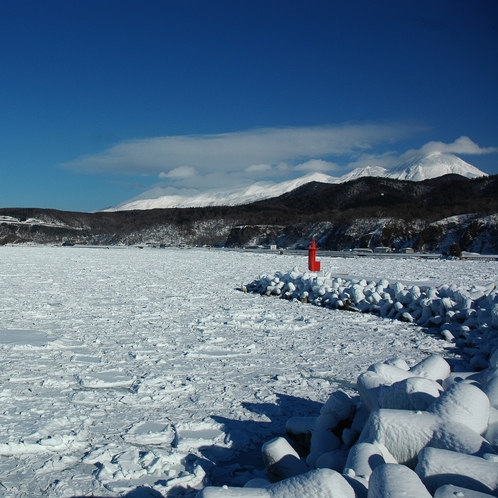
(27,338)
(149,368)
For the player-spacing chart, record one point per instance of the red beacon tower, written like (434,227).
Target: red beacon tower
(313,264)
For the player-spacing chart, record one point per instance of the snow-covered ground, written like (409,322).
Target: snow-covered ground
(10,220)
(124,369)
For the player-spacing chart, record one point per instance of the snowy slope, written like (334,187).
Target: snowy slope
(361,172)
(243,195)
(417,169)
(432,166)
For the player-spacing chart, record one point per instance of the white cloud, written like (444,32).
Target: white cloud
(179,173)
(462,145)
(258,168)
(236,152)
(236,159)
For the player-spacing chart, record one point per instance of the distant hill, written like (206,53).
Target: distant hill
(164,198)
(369,211)
(419,168)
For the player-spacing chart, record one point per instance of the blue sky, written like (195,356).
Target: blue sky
(101,100)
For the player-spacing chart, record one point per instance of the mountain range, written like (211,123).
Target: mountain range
(429,215)
(418,168)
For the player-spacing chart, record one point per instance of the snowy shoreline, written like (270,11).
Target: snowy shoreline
(468,318)
(420,431)
(134,370)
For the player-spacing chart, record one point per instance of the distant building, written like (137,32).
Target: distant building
(382,249)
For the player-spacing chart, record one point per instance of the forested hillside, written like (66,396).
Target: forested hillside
(366,212)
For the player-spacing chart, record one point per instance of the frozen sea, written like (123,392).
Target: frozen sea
(148,373)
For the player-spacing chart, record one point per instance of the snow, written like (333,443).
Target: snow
(417,168)
(169,197)
(9,220)
(439,467)
(386,479)
(320,483)
(282,460)
(433,165)
(150,370)
(463,316)
(450,491)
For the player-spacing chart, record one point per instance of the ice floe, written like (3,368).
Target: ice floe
(148,372)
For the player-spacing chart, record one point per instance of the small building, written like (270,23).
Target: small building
(382,249)
(407,250)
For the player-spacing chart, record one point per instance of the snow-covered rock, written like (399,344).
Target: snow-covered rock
(437,467)
(396,481)
(413,393)
(338,408)
(425,417)
(403,432)
(400,452)
(282,460)
(449,439)
(463,403)
(363,459)
(320,483)
(458,437)
(450,491)
(491,433)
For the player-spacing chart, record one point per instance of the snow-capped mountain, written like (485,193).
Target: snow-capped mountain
(433,165)
(361,172)
(417,169)
(159,198)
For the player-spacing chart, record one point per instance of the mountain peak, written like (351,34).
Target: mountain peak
(434,165)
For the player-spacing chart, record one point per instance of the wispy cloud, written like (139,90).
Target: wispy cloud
(236,159)
(255,152)
(317,165)
(179,173)
(258,168)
